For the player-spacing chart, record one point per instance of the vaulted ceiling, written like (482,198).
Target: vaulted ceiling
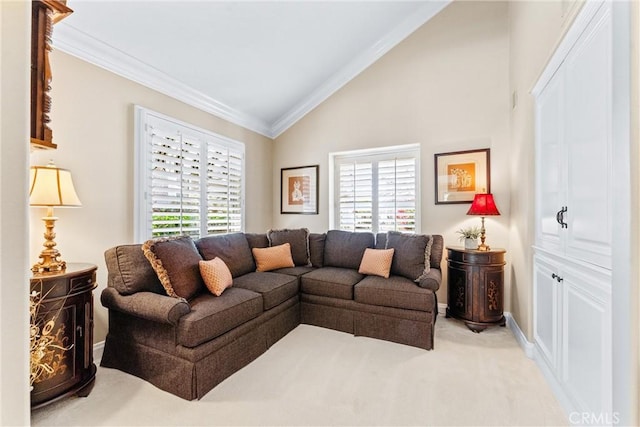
(262,65)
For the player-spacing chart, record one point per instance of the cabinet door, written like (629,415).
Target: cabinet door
(549,164)
(545,315)
(586,340)
(588,116)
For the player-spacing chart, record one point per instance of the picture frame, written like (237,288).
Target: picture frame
(459,175)
(299,190)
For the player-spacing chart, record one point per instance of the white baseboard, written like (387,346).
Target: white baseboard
(525,344)
(98,349)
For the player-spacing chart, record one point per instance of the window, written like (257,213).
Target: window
(377,190)
(188,180)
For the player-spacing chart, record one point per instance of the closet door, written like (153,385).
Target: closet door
(588,116)
(550,168)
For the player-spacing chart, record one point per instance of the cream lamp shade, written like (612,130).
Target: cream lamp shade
(51,186)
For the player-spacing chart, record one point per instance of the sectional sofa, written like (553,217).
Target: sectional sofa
(188,346)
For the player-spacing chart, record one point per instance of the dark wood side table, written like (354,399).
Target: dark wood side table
(67,297)
(476,287)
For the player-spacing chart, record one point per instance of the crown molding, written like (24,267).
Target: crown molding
(358,65)
(70,40)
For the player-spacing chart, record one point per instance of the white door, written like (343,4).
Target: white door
(587,121)
(550,162)
(545,316)
(586,339)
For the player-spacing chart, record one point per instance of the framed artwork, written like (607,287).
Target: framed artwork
(299,190)
(462,174)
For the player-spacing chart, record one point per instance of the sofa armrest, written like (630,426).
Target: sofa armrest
(431,280)
(147,305)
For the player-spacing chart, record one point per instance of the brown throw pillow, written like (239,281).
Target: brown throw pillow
(175,261)
(376,262)
(272,258)
(216,275)
(413,254)
(299,241)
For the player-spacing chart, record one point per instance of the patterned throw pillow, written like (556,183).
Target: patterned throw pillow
(272,258)
(175,261)
(216,275)
(376,262)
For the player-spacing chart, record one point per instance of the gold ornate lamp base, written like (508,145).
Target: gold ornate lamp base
(49,256)
(482,246)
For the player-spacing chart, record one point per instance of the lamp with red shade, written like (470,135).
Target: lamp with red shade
(483,205)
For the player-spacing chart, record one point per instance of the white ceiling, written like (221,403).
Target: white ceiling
(262,65)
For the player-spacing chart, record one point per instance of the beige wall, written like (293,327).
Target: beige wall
(444,87)
(93,124)
(15,20)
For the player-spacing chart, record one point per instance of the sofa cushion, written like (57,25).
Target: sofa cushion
(299,241)
(294,271)
(376,262)
(212,316)
(130,272)
(275,288)
(257,240)
(316,249)
(436,248)
(396,292)
(268,259)
(331,282)
(344,249)
(175,261)
(216,275)
(412,256)
(232,248)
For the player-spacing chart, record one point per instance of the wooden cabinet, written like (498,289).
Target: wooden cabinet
(45,13)
(476,287)
(67,305)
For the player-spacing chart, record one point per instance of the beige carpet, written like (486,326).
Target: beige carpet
(317,376)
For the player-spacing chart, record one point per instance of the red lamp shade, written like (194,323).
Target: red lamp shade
(484,205)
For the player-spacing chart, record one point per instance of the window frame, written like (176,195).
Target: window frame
(143,117)
(376,155)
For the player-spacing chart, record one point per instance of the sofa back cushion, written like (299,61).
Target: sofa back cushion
(316,249)
(437,248)
(345,248)
(412,254)
(232,248)
(257,240)
(176,262)
(129,271)
(298,239)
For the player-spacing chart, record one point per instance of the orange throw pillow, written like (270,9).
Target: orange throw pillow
(376,262)
(216,275)
(272,258)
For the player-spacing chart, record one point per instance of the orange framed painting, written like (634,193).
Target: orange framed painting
(299,190)
(459,175)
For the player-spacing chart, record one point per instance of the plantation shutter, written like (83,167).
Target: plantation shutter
(355,196)
(377,192)
(191,181)
(397,195)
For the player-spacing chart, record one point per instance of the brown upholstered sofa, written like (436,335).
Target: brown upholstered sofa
(188,347)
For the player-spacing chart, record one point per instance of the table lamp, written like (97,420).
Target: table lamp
(483,205)
(51,186)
